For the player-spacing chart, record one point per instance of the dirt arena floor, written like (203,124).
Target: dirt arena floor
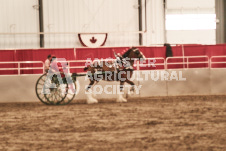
(176,123)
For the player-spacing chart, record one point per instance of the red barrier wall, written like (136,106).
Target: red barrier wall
(84,53)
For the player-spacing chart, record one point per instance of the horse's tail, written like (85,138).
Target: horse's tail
(86,68)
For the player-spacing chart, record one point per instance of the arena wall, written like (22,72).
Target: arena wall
(217,82)
(18,88)
(198,82)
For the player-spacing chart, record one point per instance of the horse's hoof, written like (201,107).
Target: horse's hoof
(94,102)
(121,100)
(91,100)
(124,100)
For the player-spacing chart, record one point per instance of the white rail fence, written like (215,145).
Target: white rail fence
(18,66)
(183,62)
(186,61)
(218,60)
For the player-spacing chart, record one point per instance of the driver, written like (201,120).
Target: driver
(47,63)
(61,70)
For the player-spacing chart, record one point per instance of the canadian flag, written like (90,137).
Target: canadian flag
(92,40)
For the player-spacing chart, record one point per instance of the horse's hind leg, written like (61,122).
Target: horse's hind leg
(120,98)
(131,83)
(90,85)
(90,99)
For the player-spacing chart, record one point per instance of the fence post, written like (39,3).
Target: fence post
(18,68)
(183,56)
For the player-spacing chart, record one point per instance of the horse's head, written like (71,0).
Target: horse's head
(134,53)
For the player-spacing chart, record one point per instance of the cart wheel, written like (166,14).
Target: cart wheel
(69,96)
(48,96)
(52,96)
(39,88)
(56,95)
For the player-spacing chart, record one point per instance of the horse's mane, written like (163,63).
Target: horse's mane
(126,54)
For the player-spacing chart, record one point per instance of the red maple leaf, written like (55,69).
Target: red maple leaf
(93,40)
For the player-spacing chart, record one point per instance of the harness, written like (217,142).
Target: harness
(122,62)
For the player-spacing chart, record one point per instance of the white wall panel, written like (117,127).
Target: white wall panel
(117,16)
(191,36)
(18,16)
(155,23)
(90,16)
(97,16)
(179,4)
(194,30)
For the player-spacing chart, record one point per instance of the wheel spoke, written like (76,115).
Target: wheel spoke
(56,96)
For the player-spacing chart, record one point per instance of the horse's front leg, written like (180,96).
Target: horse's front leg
(90,99)
(120,98)
(131,83)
